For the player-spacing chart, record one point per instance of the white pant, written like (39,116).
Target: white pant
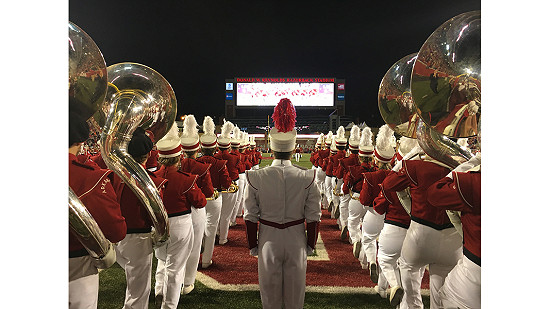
(199,223)
(135,255)
(83,292)
(334,184)
(373,223)
(320,182)
(328,189)
(423,245)
(344,204)
(297,157)
(213,211)
(239,203)
(389,250)
(356,213)
(172,257)
(462,288)
(282,262)
(228,203)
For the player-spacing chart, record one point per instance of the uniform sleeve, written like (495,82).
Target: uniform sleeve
(381,204)
(313,200)
(225,180)
(370,189)
(195,197)
(251,200)
(396,181)
(206,186)
(347,180)
(444,194)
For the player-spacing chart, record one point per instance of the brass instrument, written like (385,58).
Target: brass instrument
(87,89)
(446,78)
(137,96)
(452,57)
(214,196)
(86,230)
(232,188)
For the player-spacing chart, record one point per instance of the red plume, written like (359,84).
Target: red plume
(284,116)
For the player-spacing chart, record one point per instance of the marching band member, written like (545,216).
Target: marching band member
(353,181)
(338,147)
(236,141)
(281,197)
(220,180)
(180,195)
(396,223)
(461,190)
(190,145)
(228,199)
(256,155)
(373,222)
(297,153)
(431,238)
(320,174)
(135,252)
(93,187)
(321,163)
(343,169)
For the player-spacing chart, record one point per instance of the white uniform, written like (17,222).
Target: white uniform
(276,195)
(198,216)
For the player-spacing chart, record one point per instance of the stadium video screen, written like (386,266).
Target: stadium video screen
(270,93)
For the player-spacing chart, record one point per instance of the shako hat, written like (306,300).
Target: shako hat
(169,146)
(208,139)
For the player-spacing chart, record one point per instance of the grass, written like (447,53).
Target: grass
(113,286)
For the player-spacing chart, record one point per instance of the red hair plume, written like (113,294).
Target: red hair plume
(284,116)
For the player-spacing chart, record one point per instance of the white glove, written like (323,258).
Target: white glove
(310,251)
(106,261)
(254,251)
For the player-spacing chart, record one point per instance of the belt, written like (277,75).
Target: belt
(181,213)
(284,225)
(139,230)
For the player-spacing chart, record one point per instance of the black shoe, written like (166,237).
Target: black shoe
(344,234)
(373,269)
(158,300)
(396,295)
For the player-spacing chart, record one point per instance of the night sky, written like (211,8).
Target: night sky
(196,45)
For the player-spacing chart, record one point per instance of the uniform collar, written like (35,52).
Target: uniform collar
(281,162)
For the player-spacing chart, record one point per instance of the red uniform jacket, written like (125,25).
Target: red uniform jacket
(345,163)
(240,165)
(93,187)
(245,158)
(181,191)
(332,164)
(232,163)
(204,182)
(321,156)
(462,193)
(313,158)
(353,179)
(137,217)
(257,157)
(371,186)
(419,176)
(395,213)
(218,172)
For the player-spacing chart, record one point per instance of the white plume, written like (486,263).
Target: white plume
(252,139)
(384,137)
(328,137)
(366,137)
(341,133)
(227,128)
(355,133)
(208,126)
(190,127)
(236,133)
(173,133)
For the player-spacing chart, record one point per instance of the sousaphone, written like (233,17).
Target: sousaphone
(87,89)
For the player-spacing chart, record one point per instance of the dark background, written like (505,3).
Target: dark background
(196,45)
